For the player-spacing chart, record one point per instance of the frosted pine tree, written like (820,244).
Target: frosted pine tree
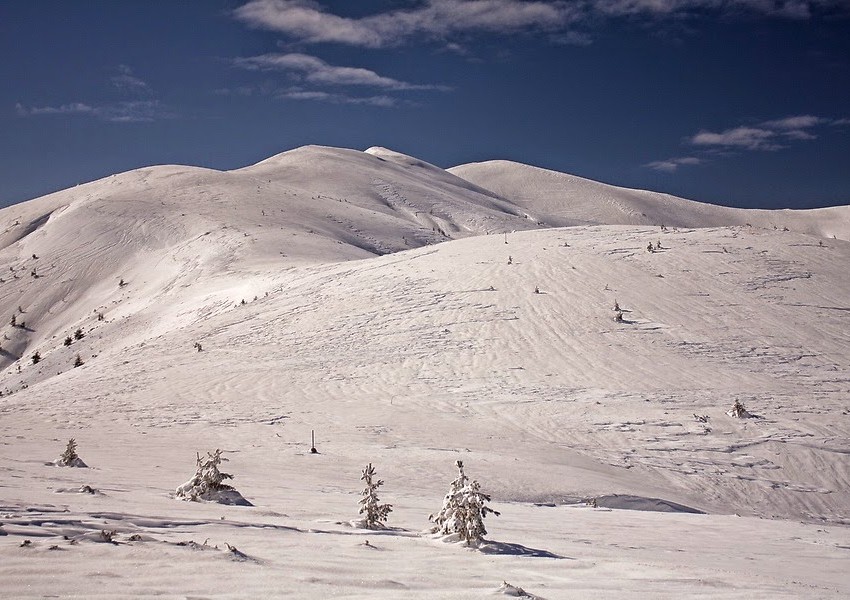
(69,457)
(464,509)
(208,483)
(374,513)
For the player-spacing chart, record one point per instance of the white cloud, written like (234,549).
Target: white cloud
(798,122)
(672,164)
(789,9)
(315,70)
(122,112)
(764,136)
(308,21)
(750,138)
(126,81)
(313,95)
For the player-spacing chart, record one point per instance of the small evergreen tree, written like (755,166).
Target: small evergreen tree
(70,458)
(78,334)
(78,362)
(208,479)
(374,514)
(68,341)
(738,411)
(464,509)
(67,458)
(36,357)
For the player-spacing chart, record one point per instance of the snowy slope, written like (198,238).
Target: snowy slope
(562,200)
(411,360)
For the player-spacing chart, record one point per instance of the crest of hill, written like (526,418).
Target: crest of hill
(566,200)
(166,229)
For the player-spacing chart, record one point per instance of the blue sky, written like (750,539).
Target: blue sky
(735,102)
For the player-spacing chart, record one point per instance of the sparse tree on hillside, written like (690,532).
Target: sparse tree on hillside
(208,483)
(36,357)
(78,334)
(464,509)
(738,411)
(13,321)
(68,341)
(78,362)
(69,457)
(616,305)
(374,513)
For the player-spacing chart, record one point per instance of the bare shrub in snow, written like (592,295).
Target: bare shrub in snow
(70,458)
(514,591)
(374,513)
(738,411)
(208,483)
(463,511)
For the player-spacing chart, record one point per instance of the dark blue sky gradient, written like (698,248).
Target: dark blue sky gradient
(93,88)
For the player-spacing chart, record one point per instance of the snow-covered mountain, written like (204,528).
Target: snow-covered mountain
(411,317)
(564,200)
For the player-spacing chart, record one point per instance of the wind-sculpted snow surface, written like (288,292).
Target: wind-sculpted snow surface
(563,200)
(605,445)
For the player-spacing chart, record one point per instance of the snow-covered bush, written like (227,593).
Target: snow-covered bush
(70,458)
(374,513)
(738,411)
(208,483)
(463,511)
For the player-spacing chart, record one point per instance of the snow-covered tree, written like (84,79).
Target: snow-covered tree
(738,411)
(70,458)
(464,509)
(374,513)
(208,483)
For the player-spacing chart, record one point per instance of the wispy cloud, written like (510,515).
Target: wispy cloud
(309,21)
(769,135)
(786,9)
(142,109)
(672,164)
(122,112)
(313,95)
(126,81)
(316,71)
(772,135)
(749,138)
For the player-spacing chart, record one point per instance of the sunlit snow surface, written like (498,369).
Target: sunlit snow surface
(390,307)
